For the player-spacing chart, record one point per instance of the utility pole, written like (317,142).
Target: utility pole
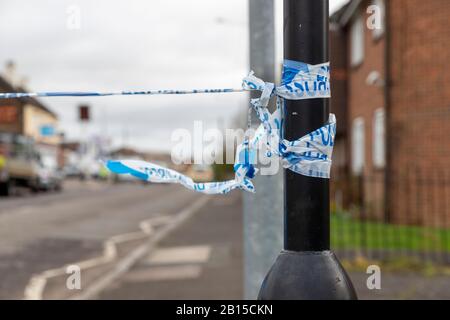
(306,269)
(263,211)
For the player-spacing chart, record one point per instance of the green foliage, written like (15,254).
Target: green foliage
(350,233)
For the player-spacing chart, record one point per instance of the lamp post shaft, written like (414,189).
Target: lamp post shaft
(307,200)
(306,269)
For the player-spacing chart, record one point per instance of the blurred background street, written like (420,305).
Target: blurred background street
(59,205)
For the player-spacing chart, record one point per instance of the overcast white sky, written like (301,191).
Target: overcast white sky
(127,45)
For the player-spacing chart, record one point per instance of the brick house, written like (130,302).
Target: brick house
(393,95)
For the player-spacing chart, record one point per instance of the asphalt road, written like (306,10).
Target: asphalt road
(202,259)
(45,231)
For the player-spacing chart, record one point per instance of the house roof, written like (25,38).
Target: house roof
(7,87)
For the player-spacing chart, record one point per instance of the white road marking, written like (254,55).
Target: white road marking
(184,272)
(181,255)
(36,286)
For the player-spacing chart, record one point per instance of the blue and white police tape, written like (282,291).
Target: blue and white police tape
(153,173)
(14,95)
(309,155)
(300,81)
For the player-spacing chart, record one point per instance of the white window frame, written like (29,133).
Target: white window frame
(358,146)
(357,41)
(379,139)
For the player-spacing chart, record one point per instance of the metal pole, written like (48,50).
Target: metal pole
(306,269)
(307,200)
(263,211)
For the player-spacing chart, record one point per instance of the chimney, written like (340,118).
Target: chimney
(10,73)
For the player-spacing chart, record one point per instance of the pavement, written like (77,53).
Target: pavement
(403,286)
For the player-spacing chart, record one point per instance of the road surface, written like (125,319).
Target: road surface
(46,231)
(203,259)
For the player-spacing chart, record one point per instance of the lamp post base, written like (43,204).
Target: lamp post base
(307,276)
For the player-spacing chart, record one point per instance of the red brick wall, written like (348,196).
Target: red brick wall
(338,106)
(338,60)
(418,113)
(10,121)
(363,100)
(420,104)
(420,54)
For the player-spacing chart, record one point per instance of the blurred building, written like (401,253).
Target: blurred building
(391,94)
(27,116)
(68,154)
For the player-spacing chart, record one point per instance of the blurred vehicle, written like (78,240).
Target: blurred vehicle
(72,171)
(200,173)
(19,163)
(50,178)
(93,169)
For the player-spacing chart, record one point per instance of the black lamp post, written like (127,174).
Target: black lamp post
(306,269)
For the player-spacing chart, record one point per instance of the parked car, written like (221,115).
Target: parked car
(19,163)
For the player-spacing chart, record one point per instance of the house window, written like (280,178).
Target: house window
(358,146)
(380,15)
(357,41)
(379,136)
